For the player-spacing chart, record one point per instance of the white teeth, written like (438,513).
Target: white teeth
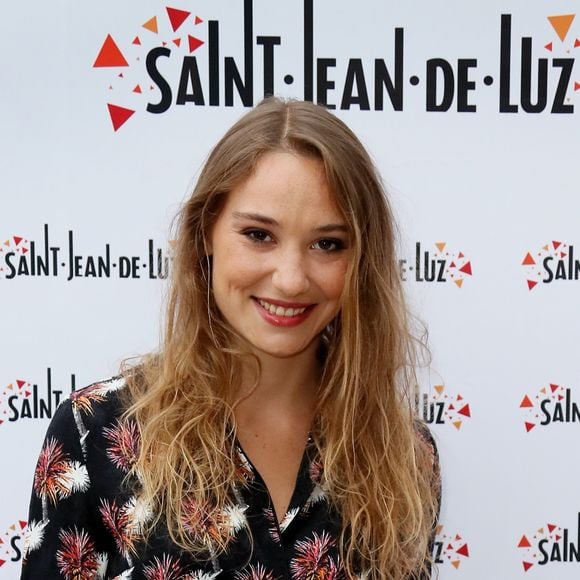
(279,310)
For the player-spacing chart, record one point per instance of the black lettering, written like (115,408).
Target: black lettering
(441,273)
(526,81)
(213,43)
(323,85)
(11,268)
(464,85)
(546,411)
(383,78)
(232,74)
(268,42)
(308,50)
(189,75)
(505,65)
(433,66)
(546,264)
(566,65)
(15,414)
(17,554)
(544,559)
(355,75)
(163,86)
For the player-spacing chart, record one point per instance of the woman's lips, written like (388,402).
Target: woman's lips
(280,313)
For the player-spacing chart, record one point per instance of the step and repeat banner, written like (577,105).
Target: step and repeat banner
(471,111)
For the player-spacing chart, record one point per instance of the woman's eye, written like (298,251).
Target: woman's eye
(329,245)
(258,236)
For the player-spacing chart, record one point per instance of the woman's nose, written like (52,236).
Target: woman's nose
(290,276)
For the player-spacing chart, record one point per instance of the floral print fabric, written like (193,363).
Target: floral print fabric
(86,523)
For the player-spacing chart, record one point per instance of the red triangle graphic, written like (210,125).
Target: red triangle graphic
(22,524)
(526,402)
(110,55)
(460,255)
(463,551)
(548,46)
(528,260)
(531,284)
(137,89)
(177,41)
(136,40)
(560,397)
(449,547)
(2,562)
(524,543)
(577,43)
(527,566)
(556,245)
(551,527)
(554,387)
(466,268)
(558,538)
(194,43)
(198,20)
(459,398)
(20,383)
(451,407)
(176,17)
(576,86)
(563,255)
(465,411)
(452,265)
(529,426)
(17,239)
(119,115)
(27,393)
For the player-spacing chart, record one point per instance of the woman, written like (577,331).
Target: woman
(272,436)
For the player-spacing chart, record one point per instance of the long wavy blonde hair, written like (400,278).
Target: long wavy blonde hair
(377,467)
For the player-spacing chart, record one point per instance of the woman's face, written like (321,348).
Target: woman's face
(280,252)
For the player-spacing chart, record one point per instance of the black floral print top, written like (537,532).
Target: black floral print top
(86,524)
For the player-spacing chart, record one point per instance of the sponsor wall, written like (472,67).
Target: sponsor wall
(471,112)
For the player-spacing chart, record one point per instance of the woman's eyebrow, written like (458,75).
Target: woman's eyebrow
(264,219)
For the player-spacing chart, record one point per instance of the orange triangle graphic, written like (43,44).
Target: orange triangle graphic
(457,424)
(441,246)
(10,387)
(455,563)
(543,390)
(119,115)
(528,260)
(459,282)
(151,25)
(526,402)
(439,388)
(561,24)
(541,530)
(524,543)
(7,243)
(176,17)
(110,55)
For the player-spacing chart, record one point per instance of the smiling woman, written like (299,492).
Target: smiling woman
(273,433)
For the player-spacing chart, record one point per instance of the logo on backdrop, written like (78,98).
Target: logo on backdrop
(11,543)
(551,263)
(550,544)
(449,549)
(43,257)
(552,404)
(436,263)
(155,67)
(440,407)
(22,399)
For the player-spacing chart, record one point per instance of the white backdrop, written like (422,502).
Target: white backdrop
(477,184)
